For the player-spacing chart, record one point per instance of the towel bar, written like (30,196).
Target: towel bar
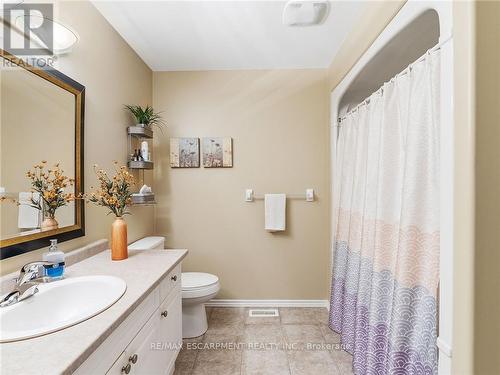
(250,196)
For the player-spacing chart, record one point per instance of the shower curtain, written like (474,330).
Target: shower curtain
(386,242)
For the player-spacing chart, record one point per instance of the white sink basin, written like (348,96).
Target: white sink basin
(59,305)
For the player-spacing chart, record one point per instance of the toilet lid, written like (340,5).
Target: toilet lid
(192,280)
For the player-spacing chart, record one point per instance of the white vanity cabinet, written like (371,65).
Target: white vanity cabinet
(148,340)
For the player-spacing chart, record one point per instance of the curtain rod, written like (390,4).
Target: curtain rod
(403,72)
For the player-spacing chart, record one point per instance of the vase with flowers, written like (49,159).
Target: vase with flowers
(115,194)
(50,185)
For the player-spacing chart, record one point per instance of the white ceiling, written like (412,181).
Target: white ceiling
(219,35)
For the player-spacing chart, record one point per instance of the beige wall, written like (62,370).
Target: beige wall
(477,136)
(113,75)
(487,188)
(278,122)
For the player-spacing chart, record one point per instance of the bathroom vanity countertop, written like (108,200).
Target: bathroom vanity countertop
(64,351)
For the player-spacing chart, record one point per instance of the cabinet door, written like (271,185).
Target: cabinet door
(150,358)
(140,357)
(154,350)
(171,329)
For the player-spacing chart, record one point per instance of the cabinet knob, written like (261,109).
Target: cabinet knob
(174,278)
(164,313)
(126,369)
(133,359)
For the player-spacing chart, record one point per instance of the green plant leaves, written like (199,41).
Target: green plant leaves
(146,116)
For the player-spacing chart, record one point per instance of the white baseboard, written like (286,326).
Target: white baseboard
(268,303)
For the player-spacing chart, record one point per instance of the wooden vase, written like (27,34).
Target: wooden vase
(49,223)
(119,249)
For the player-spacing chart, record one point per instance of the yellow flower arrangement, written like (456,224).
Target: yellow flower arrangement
(51,184)
(113,193)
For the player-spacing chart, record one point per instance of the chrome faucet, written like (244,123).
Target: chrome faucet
(27,283)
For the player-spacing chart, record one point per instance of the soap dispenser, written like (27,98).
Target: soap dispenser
(57,258)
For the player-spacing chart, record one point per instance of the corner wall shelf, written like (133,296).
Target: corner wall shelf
(136,136)
(140,132)
(132,164)
(145,200)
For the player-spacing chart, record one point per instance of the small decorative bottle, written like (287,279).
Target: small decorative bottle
(144,150)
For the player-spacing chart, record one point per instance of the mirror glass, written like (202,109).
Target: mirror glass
(37,129)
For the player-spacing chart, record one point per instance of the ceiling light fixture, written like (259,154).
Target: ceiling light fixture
(64,38)
(305,12)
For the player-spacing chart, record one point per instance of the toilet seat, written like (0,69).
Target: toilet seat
(199,284)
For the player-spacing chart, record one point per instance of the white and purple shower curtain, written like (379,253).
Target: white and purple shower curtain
(386,242)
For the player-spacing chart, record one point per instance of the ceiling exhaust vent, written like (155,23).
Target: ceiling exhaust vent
(263,313)
(305,12)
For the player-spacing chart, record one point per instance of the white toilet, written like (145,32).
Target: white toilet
(197,288)
(148,243)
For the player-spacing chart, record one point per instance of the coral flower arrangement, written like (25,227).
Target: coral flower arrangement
(50,184)
(115,194)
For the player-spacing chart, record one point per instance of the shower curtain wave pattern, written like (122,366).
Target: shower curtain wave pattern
(386,194)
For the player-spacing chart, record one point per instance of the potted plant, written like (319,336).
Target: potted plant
(146,117)
(50,185)
(115,194)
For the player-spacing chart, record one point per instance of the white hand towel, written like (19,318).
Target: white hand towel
(275,208)
(28,217)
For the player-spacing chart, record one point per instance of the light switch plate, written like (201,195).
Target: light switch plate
(309,195)
(248,195)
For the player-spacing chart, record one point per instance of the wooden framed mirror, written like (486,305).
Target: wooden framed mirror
(41,119)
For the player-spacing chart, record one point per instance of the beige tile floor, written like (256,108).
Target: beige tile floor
(238,344)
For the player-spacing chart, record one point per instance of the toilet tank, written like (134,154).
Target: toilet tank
(148,243)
